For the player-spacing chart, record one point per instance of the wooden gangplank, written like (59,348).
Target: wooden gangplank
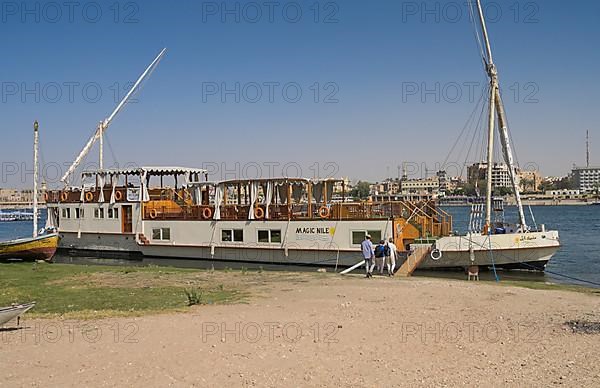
(413,261)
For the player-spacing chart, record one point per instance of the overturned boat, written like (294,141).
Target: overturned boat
(7,314)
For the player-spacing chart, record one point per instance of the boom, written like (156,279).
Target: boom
(103,125)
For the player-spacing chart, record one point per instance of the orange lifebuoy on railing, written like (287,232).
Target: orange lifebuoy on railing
(89,196)
(118,195)
(64,196)
(46,197)
(259,213)
(153,213)
(324,212)
(206,213)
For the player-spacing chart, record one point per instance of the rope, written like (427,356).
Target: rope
(112,152)
(491,254)
(476,33)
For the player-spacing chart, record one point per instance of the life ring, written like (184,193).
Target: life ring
(46,197)
(259,213)
(436,254)
(64,196)
(206,213)
(153,213)
(324,212)
(118,195)
(89,196)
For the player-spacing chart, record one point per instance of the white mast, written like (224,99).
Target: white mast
(496,105)
(103,125)
(35,178)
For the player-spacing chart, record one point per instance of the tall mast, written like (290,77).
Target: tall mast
(496,104)
(103,125)
(35,178)
(490,160)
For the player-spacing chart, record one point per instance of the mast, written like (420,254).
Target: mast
(490,160)
(497,105)
(103,125)
(35,178)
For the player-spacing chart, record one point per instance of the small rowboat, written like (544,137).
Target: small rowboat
(9,313)
(32,248)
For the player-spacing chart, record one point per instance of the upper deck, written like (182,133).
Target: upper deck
(186,194)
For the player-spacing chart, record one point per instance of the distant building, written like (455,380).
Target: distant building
(564,193)
(500,174)
(586,179)
(530,180)
(342,186)
(420,187)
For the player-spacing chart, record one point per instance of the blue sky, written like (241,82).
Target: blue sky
(356,63)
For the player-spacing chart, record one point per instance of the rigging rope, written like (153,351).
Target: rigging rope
(476,33)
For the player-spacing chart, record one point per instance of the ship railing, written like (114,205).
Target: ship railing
(428,224)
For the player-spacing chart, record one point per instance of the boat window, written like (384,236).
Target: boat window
(233,235)
(275,236)
(79,213)
(263,236)
(66,212)
(113,213)
(269,236)
(375,235)
(99,213)
(238,235)
(161,234)
(359,235)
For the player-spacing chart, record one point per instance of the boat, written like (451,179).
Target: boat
(41,246)
(170,213)
(7,314)
(10,216)
(30,249)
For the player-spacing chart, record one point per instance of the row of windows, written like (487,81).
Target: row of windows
(264,235)
(227,235)
(99,213)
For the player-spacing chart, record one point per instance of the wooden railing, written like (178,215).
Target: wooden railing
(428,225)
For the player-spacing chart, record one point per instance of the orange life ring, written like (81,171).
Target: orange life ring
(46,197)
(153,213)
(206,213)
(64,196)
(259,213)
(324,212)
(118,195)
(89,196)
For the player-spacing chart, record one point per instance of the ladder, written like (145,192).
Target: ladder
(413,261)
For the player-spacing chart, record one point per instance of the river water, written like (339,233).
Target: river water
(579,228)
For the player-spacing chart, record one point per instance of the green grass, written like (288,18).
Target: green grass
(78,291)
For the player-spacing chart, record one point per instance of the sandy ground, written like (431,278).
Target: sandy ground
(324,330)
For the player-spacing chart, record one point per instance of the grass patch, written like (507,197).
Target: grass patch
(81,291)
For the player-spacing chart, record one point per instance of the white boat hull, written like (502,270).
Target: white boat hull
(522,251)
(517,250)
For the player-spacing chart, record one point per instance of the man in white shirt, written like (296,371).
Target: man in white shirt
(390,258)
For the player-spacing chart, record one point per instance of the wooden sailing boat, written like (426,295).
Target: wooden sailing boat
(37,247)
